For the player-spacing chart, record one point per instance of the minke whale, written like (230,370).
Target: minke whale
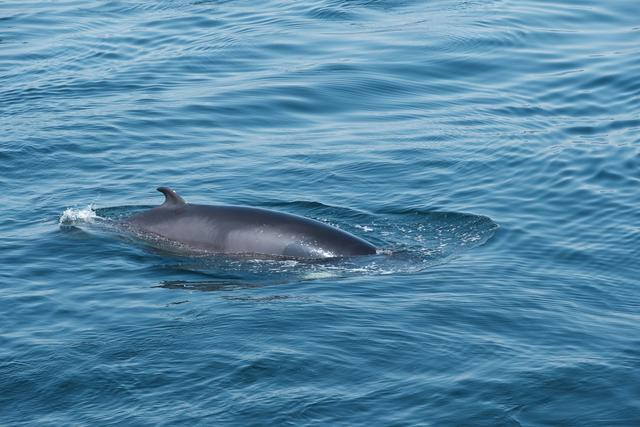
(244,230)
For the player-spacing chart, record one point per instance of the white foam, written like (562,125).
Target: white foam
(319,275)
(73,216)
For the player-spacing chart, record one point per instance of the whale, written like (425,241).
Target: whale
(243,230)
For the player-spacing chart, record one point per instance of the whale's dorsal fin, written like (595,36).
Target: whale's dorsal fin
(171,198)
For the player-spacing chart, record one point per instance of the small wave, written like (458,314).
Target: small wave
(364,228)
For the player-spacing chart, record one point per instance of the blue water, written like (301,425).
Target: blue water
(491,149)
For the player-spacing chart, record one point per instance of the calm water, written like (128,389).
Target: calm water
(490,148)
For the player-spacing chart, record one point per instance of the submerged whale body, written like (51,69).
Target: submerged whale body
(245,230)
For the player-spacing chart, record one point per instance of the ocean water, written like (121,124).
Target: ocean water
(491,149)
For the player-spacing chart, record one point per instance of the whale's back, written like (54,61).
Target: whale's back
(238,229)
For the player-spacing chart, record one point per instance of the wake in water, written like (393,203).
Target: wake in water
(409,241)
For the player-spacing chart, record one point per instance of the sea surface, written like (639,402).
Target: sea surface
(490,149)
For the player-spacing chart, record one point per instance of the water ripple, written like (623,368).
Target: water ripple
(420,125)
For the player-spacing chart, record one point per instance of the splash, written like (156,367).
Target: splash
(74,216)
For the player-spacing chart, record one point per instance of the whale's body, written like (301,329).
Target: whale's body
(245,230)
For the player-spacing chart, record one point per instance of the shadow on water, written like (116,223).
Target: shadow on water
(207,285)
(410,241)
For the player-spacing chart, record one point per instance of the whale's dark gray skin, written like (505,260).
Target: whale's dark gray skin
(245,230)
